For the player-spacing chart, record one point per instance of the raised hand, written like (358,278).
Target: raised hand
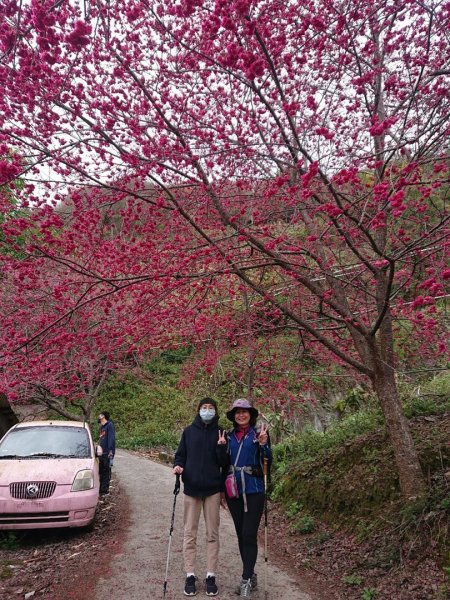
(263,437)
(222,439)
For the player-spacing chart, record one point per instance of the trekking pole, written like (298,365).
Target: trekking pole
(175,493)
(266,461)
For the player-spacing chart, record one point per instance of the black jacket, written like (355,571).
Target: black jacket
(201,458)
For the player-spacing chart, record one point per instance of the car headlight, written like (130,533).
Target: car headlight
(84,480)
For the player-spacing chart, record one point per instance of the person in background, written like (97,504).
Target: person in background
(247,448)
(108,444)
(199,459)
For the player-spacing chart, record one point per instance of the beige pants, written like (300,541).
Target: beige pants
(211,514)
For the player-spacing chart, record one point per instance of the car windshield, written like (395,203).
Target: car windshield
(46,442)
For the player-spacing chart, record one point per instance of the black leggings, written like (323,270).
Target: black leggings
(246,525)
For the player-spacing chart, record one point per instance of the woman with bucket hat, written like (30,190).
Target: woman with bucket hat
(248,446)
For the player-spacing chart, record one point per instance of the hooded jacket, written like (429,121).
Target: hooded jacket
(202,458)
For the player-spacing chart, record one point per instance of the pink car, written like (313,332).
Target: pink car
(48,476)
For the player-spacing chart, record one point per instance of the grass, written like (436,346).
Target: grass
(345,476)
(430,398)
(309,444)
(149,410)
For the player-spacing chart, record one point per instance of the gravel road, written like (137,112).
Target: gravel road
(138,572)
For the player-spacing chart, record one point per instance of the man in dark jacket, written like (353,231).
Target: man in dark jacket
(201,454)
(108,444)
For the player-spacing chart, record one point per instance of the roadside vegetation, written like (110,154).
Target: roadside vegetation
(340,494)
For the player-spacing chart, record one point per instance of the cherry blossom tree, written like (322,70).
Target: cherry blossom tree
(62,331)
(293,151)
(61,368)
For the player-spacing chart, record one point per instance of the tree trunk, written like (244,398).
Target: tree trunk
(412,482)
(8,418)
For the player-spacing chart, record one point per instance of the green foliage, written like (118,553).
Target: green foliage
(423,405)
(10,540)
(150,412)
(368,594)
(165,439)
(316,467)
(430,398)
(445,504)
(308,444)
(294,508)
(353,400)
(304,524)
(167,364)
(277,491)
(363,528)
(9,193)
(344,475)
(353,580)
(279,426)
(6,248)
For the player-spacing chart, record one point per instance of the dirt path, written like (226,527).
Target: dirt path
(138,572)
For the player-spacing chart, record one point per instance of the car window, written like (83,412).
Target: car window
(46,442)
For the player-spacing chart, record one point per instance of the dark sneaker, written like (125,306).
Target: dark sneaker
(246,588)
(189,586)
(254,584)
(211,586)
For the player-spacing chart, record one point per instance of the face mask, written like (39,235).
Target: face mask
(207,414)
